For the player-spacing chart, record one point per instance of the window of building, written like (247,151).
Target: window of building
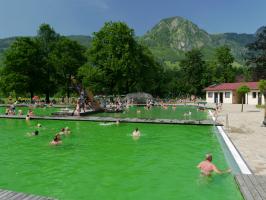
(210,94)
(254,95)
(227,94)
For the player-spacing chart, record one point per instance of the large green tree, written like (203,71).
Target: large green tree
(47,39)
(67,57)
(21,70)
(193,70)
(117,63)
(224,69)
(256,57)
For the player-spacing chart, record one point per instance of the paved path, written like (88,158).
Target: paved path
(246,132)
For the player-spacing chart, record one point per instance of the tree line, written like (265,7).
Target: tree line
(116,63)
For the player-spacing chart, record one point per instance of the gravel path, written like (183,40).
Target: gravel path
(247,133)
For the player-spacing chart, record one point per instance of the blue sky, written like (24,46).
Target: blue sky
(22,17)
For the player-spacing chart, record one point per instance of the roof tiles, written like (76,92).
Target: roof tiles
(232,86)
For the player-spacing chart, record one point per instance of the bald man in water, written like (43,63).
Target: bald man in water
(207,167)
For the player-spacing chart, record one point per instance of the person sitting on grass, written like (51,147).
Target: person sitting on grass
(20,112)
(207,167)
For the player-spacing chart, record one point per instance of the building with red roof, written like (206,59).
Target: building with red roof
(227,93)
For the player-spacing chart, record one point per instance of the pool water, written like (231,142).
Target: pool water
(45,111)
(102,161)
(157,112)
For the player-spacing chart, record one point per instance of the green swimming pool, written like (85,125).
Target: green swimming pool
(159,113)
(102,161)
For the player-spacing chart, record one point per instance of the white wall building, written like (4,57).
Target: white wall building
(226,93)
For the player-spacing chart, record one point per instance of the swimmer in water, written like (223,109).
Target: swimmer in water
(136,133)
(39,125)
(62,132)
(27,117)
(67,131)
(207,167)
(34,133)
(57,140)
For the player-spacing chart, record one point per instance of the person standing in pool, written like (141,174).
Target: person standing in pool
(136,133)
(207,167)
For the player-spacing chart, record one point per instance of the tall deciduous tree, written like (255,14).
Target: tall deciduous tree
(21,70)
(224,61)
(47,39)
(242,91)
(67,57)
(119,62)
(262,87)
(257,55)
(193,70)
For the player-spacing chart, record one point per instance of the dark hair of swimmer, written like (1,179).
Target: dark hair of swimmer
(57,138)
(63,129)
(36,132)
(209,157)
(137,129)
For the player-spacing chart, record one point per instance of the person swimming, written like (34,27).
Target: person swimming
(57,140)
(136,133)
(34,133)
(207,167)
(67,131)
(27,117)
(39,125)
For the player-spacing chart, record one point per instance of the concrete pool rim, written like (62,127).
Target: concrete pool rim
(242,165)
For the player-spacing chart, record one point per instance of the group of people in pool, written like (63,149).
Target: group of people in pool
(57,138)
(206,166)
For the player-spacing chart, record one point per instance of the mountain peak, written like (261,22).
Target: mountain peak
(179,33)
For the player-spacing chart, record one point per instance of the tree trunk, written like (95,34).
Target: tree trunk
(68,91)
(264,122)
(47,97)
(242,104)
(31,96)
